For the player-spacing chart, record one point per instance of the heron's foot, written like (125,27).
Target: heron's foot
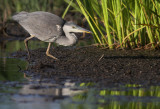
(51,56)
(54,58)
(26,45)
(48,54)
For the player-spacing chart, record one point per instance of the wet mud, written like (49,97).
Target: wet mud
(93,64)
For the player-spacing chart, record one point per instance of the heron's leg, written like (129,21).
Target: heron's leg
(26,44)
(48,54)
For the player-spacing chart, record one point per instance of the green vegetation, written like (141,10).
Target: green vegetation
(9,7)
(11,71)
(130,96)
(115,23)
(122,23)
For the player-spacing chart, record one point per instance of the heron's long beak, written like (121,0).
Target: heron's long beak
(84,30)
(88,31)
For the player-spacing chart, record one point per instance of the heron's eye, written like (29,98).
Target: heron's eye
(73,27)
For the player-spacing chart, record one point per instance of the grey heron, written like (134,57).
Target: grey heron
(48,27)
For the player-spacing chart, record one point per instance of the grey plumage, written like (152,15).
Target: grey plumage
(49,28)
(40,24)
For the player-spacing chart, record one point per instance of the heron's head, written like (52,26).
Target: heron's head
(71,27)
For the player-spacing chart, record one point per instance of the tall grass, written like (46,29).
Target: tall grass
(115,23)
(122,23)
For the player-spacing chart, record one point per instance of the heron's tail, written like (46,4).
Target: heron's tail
(19,16)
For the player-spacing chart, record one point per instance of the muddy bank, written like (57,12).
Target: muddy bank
(98,65)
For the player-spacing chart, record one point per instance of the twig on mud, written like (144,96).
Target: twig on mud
(101,57)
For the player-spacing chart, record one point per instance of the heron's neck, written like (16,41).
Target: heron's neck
(68,40)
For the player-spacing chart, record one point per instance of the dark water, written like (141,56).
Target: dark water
(20,92)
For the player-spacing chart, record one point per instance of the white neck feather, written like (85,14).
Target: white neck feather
(68,40)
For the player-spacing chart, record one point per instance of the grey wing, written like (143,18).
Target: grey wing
(43,25)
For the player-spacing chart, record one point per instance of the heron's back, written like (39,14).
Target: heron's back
(20,16)
(43,25)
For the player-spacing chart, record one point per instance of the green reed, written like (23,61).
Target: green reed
(122,23)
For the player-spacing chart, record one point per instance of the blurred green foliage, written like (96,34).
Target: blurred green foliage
(10,7)
(131,96)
